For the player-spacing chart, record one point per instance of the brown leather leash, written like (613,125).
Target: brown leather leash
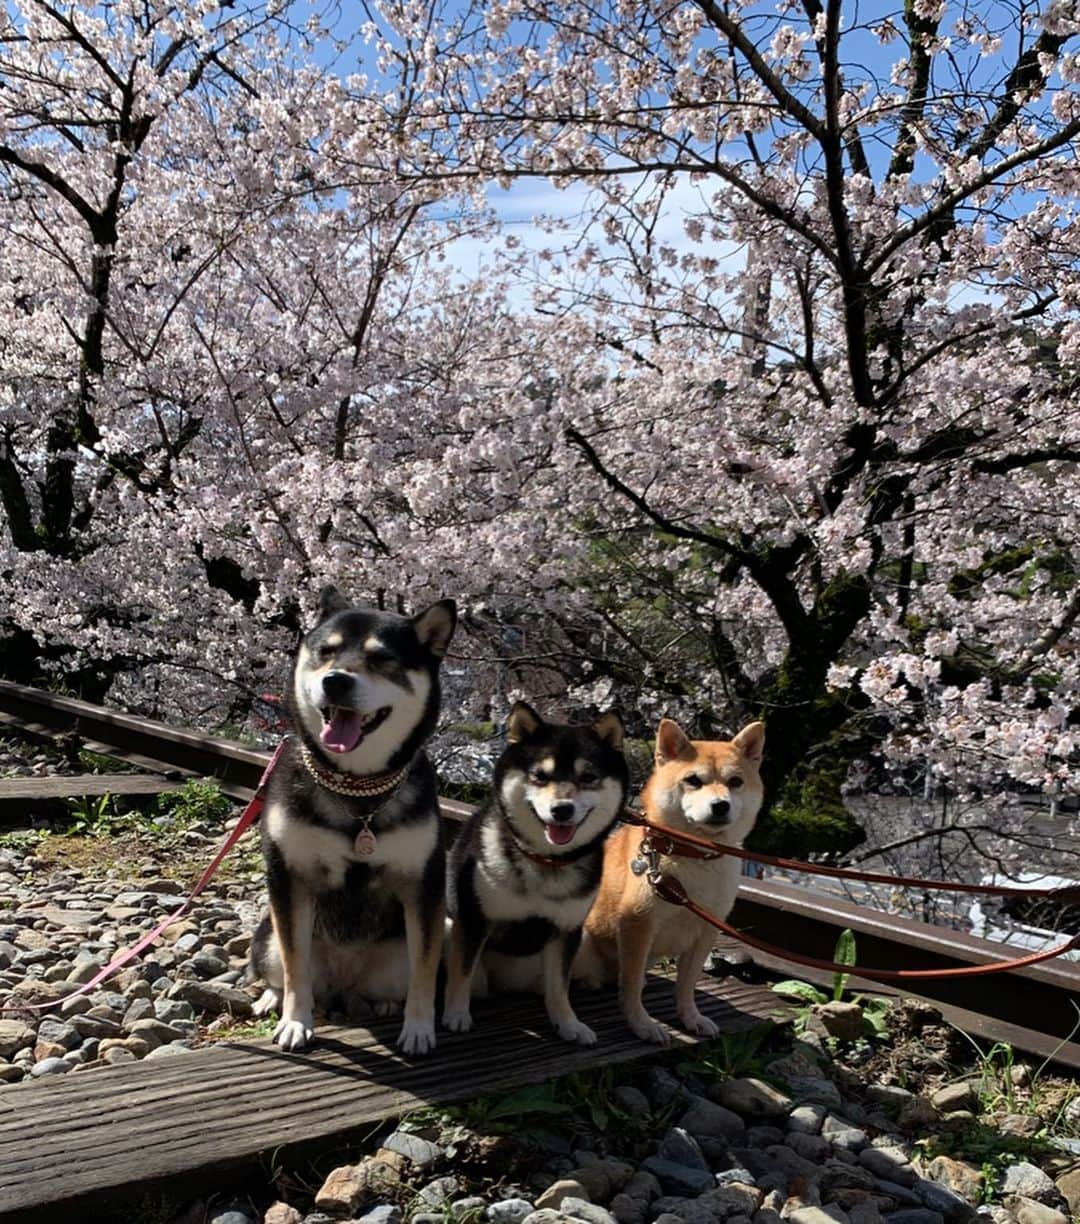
(659,841)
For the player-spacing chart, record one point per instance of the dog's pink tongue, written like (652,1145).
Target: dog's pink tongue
(344,730)
(560,834)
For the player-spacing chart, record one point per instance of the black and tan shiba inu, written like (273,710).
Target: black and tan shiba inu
(525,870)
(711,788)
(351,834)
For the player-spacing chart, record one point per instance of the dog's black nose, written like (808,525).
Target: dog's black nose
(562,811)
(337,685)
(719,808)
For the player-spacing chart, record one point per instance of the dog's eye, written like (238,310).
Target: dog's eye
(692,781)
(379,658)
(588,778)
(734,782)
(327,652)
(539,777)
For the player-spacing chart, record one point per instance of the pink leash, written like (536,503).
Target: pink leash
(247,817)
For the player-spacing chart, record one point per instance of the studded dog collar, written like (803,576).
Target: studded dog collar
(355,786)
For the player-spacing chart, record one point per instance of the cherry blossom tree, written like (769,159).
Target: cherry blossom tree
(830,443)
(808,458)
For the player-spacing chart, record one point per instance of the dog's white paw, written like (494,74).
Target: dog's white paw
(457,1021)
(293,1034)
(269,1001)
(645,1028)
(699,1025)
(575,1031)
(417,1037)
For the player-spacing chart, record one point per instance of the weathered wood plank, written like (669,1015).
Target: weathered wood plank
(109,1134)
(74,786)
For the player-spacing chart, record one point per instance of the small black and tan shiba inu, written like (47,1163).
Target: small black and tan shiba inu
(525,870)
(713,790)
(351,833)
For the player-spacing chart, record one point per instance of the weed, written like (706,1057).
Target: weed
(92,815)
(198,799)
(875,1010)
(729,1055)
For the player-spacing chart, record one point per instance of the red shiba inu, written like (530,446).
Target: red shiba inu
(713,790)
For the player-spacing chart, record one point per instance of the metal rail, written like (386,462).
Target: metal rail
(1037,1000)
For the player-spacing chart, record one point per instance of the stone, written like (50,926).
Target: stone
(140,1009)
(959,1176)
(735,1198)
(1068,1185)
(837,1175)
(940,1198)
(466,1209)
(509,1211)
(916,1115)
(420,1152)
(1024,1126)
(231,1215)
(791,1162)
(807,1119)
(582,1209)
(681,1147)
(704,1118)
(764,1136)
(752,1096)
(49,1066)
(545,1215)
(168,1011)
(214,998)
(351,1186)
(816,1088)
(688,1210)
(596,1180)
(850,1140)
(890,1164)
(677,1178)
(15,1035)
(60,1032)
(817,1215)
(565,1187)
(810,1147)
(914,1215)
(89,1025)
(385,1213)
(630,1099)
(282,1213)
(155,1032)
(955,1096)
(844,1021)
(1030,1211)
(1029,1181)
(48,1049)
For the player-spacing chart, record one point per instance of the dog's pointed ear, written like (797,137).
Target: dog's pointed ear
(522,722)
(671,742)
(435,626)
(751,741)
(610,728)
(331,600)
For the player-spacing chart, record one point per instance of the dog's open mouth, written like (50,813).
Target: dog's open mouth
(344,728)
(560,834)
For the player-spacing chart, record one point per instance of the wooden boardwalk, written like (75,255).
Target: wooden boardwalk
(74,1146)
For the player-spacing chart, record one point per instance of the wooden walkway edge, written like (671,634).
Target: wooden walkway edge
(84,1141)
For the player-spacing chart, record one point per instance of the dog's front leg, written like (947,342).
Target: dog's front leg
(424,924)
(691,964)
(292,912)
(559,954)
(635,939)
(468,934)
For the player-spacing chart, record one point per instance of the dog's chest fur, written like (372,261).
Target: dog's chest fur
(511,888)
(712,885)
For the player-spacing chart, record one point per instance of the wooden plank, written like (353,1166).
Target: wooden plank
(73,786)
(88,1138)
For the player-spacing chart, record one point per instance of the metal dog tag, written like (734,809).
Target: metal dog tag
(364,846)
(639,866)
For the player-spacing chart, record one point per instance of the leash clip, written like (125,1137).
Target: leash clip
(647,862)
